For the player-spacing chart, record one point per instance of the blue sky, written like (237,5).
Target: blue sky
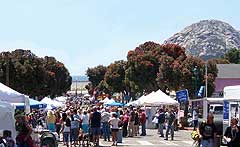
(87,33)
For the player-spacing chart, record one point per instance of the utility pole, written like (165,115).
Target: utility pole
(205,103)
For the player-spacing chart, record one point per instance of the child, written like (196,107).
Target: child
(7,135)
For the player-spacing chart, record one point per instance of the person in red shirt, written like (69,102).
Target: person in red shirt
(125,120)
(143,122)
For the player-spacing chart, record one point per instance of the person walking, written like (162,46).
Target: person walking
(131,123)
(143,119)
(136,123)
(161,122)
(58,123)
(95,124)
(170,118)
(65,128)
(114,123)
(51,121)
(208,132)
(85,122)
(23,138)
(232,134)
(195,119)
(125,120)
(75,121)
(105,125)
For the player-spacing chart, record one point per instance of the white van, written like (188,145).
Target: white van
(216,108)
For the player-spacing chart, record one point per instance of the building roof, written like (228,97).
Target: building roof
(228,71)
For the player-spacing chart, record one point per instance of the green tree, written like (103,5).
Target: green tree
(57,77)
(141,69)
(115,76)
(28,74)
(170,58)
(233,56)
(192,80)
(96,74)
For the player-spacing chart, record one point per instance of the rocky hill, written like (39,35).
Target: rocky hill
(207,38)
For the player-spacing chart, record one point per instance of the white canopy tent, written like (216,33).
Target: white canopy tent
(158,98)
(11,96)
(61,99)
(133,103)
(7,118)
(51,102)
(139,100)
(144,98)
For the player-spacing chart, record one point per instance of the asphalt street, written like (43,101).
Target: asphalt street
(182,139)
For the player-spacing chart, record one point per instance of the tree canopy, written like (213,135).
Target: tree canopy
(96,74)
(32,75)
(151,66)
(233,56)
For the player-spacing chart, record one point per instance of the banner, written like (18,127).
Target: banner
(182,95)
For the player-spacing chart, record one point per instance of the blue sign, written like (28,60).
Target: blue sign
(182,95)
(225,110)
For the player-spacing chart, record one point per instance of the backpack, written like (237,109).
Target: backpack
(68,122)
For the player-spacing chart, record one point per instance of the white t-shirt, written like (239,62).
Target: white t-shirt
(114,122)
(66,129)
(85,119)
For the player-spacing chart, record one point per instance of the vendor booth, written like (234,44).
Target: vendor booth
(11,96)
(51,102)
(158,98)
(151,102)
(7,118)
(231,104)
(34,104)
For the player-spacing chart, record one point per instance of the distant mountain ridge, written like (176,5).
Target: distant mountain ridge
(80,78)
(207,38)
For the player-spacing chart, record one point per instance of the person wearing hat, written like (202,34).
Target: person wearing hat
(23,138)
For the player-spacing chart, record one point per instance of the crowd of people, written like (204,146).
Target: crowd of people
(166,118)
(74,121)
